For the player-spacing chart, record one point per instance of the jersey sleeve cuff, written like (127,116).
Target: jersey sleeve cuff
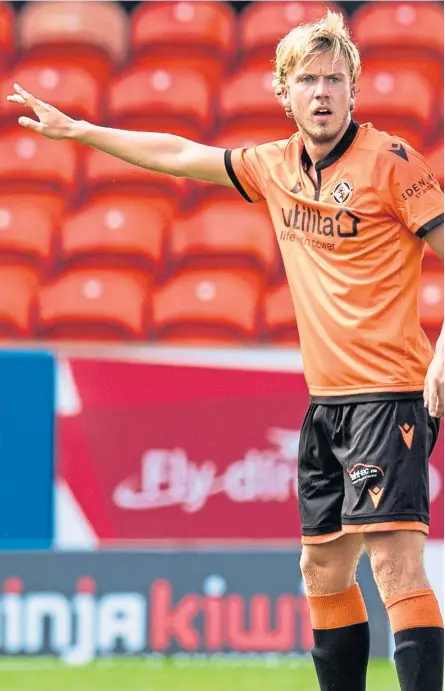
(429,226)
(232,175)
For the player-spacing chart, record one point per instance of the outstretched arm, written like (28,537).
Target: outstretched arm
(165,153)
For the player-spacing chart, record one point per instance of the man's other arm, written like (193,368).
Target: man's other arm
(433,393)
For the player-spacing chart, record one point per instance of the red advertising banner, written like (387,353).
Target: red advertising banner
(184,453)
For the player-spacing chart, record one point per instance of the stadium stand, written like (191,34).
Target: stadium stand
(279,317)
(106,177)
(93,35)
(211,307)
(162,99)
(71,88)
(31,163)
(27,230)
(125,233)
(431,298)
(7,34)
(19,286)
(263,24)
(87,241)
(407,35)
(201,36)
(225,233)
(385,98)
(95,304)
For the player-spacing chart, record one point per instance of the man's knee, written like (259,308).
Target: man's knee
(330,567)
(397,561)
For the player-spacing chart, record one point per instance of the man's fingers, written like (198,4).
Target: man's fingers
(433,401)
(29,99)
(16,98)
(30,124)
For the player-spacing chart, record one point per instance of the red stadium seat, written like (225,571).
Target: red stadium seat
(399,102)
(247,98)
(225,233)
(208,306)
(7,34)
(31,163)
(95,304)
(154,98)
(431,298)
(18,291)
(63,84)
(200,35)
(279,317)
(123,233)
(26,232)
(263,24)
(409,33)
(92,34)
(108,176)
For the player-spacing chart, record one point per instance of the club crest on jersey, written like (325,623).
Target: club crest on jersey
(342,192)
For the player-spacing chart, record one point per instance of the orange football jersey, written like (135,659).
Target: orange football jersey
(352,248)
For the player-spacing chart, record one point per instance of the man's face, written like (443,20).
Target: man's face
(320,94)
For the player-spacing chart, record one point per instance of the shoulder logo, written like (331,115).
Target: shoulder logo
(398,149)
(342,192)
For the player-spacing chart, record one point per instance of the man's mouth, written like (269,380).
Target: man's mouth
(322,113)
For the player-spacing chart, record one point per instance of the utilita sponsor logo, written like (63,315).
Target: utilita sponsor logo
(85,626)
(169,478)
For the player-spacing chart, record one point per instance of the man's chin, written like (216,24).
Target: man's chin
(324,133)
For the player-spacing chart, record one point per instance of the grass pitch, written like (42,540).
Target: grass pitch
(139,675)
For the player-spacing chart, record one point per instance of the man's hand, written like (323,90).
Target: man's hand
(52,123)
(433,390)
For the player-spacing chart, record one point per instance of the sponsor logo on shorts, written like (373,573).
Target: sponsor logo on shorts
(376,494)
(407,432)
(362,472)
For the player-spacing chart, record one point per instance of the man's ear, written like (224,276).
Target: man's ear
(285,97)
(352,97)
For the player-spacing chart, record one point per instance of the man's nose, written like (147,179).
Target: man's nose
(321,87)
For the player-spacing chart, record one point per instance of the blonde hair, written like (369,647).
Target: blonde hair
(307,41)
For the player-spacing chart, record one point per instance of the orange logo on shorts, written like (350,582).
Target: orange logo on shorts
(376,494)
(407,434)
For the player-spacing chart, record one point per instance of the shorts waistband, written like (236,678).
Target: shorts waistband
(367,397)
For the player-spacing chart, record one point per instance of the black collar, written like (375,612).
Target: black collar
(339,149)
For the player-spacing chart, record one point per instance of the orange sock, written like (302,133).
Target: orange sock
(340,624)
(417,625)
(413,609)
(336,610)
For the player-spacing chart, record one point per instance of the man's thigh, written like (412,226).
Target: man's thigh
(320,481)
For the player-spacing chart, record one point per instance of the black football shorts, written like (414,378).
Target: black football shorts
(363,467)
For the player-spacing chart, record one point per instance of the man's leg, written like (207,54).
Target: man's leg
(338,613)
(414,614)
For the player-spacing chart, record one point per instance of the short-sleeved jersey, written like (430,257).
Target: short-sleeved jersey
(352,249)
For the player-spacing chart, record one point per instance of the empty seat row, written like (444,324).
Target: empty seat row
(195,306)
(144,234)
(206,34)
(171,97)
